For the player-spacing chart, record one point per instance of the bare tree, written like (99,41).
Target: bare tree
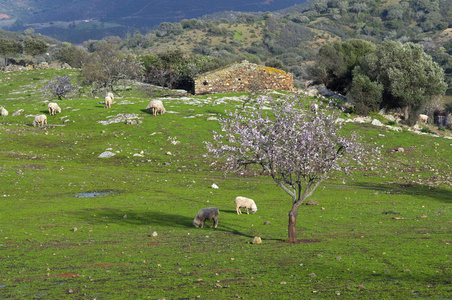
(108,66)
(297,147)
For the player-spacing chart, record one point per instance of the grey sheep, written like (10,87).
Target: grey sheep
(209,213)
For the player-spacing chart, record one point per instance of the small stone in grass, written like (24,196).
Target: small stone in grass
(257,240)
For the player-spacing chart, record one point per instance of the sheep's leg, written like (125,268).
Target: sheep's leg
(215,222)
(203,224)
(247,211)
(239,212)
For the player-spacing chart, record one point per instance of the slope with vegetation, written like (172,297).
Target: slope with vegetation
(290,38)
(79,225)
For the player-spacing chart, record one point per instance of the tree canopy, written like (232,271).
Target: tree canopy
(391,75)
(409,76)
(107,66)
(35,47)
(8,46)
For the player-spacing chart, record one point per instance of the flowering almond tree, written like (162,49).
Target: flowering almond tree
(58,87)
(298,148)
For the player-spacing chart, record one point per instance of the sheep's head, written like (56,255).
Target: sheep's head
(254,208)
(196,222)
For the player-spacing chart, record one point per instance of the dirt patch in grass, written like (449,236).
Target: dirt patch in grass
(106,265)
(305,241)
(67,275)
(31,167)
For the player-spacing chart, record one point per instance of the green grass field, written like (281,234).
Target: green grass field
(76,226)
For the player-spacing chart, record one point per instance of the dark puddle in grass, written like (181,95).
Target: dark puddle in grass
(95,194)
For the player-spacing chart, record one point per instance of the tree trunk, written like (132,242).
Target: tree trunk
(293,213)
(406,113)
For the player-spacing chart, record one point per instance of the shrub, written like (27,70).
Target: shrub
(58,87)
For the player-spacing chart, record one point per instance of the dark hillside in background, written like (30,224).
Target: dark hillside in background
(80,20)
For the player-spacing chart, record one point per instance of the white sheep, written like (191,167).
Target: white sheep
(209,213)
(4,112)
(246,203)
(423,118)
(156,106)
(40,120)
(108,101)
(53,108)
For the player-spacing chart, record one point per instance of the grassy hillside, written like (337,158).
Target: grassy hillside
(288,39)
(74,225)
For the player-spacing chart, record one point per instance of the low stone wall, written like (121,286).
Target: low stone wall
(243,77)
(43,65)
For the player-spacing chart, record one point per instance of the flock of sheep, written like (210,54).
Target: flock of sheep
(155,107)
(211,213)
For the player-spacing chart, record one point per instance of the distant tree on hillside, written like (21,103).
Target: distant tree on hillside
(35,47)
(108,66)
(334,63)
(174,68)
(409,76)
(8,47)
(73,56)
(297,147)
(366,95)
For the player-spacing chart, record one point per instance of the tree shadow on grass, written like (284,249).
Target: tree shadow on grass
(438,194)
(229,211)
(127,218)
(103,216)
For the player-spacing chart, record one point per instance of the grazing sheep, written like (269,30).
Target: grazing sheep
(40,120)
(53,108)
(156,106)
(108,101)
(315,108)
(423,118)
(210,213)
(246,203)
(4,111)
